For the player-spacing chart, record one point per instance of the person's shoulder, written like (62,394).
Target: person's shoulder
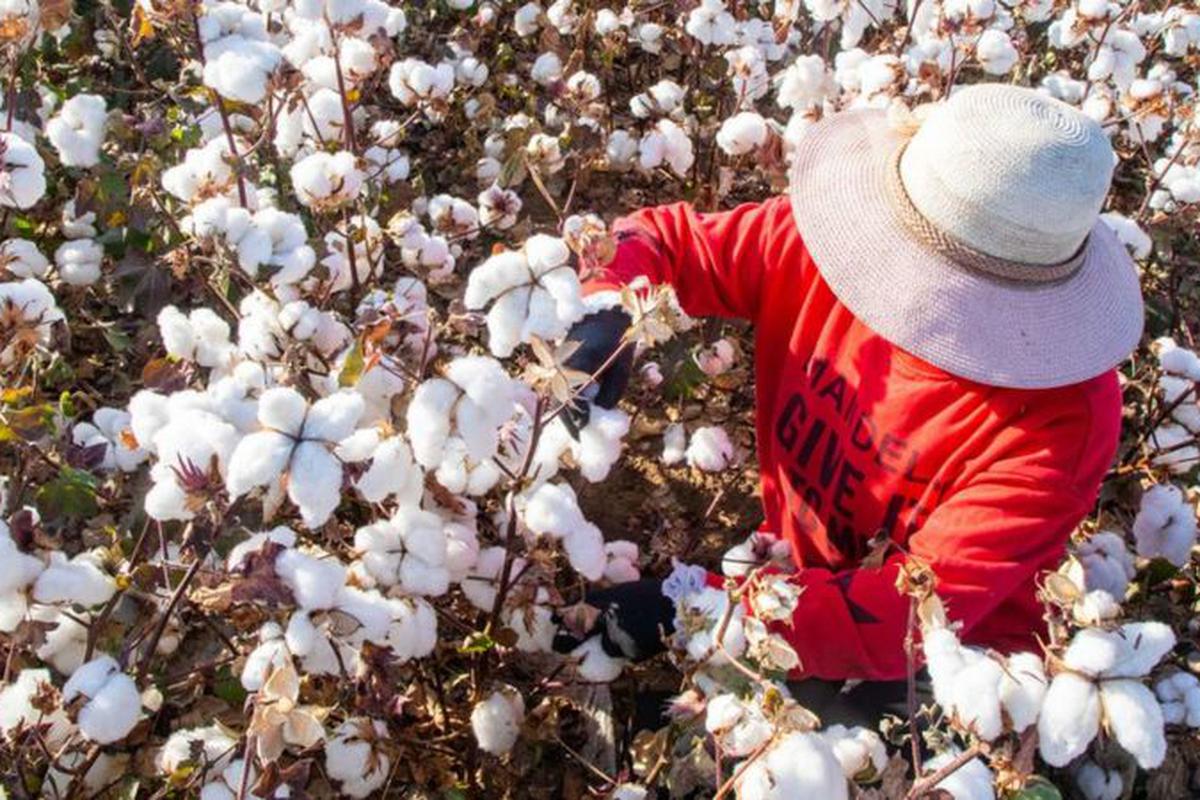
(1083,417)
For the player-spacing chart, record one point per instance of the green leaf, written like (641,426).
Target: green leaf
(1038,789)
(229,688)
(24,226)
(1158,571)
(477,643)
(71,494)
(352,368)
(117,339)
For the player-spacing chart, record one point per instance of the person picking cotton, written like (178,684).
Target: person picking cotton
(938,310)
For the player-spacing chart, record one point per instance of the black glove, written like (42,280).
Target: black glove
(634,617)
(599,334)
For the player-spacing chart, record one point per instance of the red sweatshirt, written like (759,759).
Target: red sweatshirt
(856,436)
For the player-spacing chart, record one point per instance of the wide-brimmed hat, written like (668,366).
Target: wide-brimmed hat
(970,236)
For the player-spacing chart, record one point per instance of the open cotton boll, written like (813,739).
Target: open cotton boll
(599,444)
(77,130)
(1177,360)
(1134,718)
(553,510)
(804,84)
(1130,233)
(996,52)
(498,207)
(66,641)
(1096,783)
(353,759)
(742,133)
(860,751)
(797,765)
(78,261)
(324,181)
(413,630)
(315,582)
(22,172)
(80,580)
(209,746)
(113,704)
(281,535)
(739,727)
(108,429)
(667,143)
(1165,525)
(972,781)
(697,617)
(594,665)
(1107,563)
(496,721)
(18,571)
(271,653)
(17,709)
(1023,689)
(200,336)
(481,585)
(710,449)
(1179,695)
(1095,607)
(674,443)
(408,550)
(22,259)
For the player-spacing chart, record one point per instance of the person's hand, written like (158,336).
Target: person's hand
(598,335)
(631,620)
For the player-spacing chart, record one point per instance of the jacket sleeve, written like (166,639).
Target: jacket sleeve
(715,262)
(986,544)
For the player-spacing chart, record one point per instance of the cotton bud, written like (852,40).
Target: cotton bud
(674,443)
(77,130)
(22,172)
(111,703)
(797,765)
(742,133)
(354,758)
(496,721)
(710,449)
(1165,526)
(78,261)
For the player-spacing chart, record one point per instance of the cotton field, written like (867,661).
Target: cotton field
(295,491)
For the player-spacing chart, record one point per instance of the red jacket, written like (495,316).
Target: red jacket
(857,436)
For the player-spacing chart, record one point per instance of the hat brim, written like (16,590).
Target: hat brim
(972,325)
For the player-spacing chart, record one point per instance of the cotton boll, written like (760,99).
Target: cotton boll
(1130,233)
(797,765)
(995,52)
(1070,719)
(739,727)
(496,721)
(22,172)
(527,19)
(1179,695)
(325,181)
(1096,783)
(742,133)
(113,704)
(314,582)
(1107,563)
(214,746)
(481,585)
(1165,525)
(80,580)
(22,259)
(77,130)
(18,571)
(972,781)
(271,653)
(17,709)
(65,643)
(1095,608)
(710,449)
(667,143)
(860,751)
(1023,689)
(674,443)
(78,261)
(711,24)
(975,697)
(1135,719)
(353,759)
(594,664)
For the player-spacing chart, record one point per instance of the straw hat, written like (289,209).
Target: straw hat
(971,238)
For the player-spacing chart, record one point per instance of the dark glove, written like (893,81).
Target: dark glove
(599,334)
(634,617)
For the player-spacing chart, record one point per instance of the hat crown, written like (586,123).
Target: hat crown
(1010,172)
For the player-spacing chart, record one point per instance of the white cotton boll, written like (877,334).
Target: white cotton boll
(113,703)
(22,172)
(392,474)
(353,759)
(622,565)
(314,582)
(1165,525)
(1096,783)
(214,746)
(742,133)
(710,449)
(413,633)
(280,535)
(527,19)
(270,654)
(797,765)
(1135,719)
(22,259)
(326,180)
(546,69)
(258,460)
(804,84)
(674,443)
(17,710)
(80,580)
(241,69)
(711,24)
(1141,645)
(584,548)
(78,261)
(975,699)
(65,643)
(595,665)
(599,443)
(972,781)
(1179,695)
(1130,233)
(496,721)
(481,585)
(316,653)
(1107,563)
(996,52)
(860,751)
(18,571)
(739,727)
(1095,607)
(1094,651)
(1023,689)
(667,143)
(77,130)
(1070,719)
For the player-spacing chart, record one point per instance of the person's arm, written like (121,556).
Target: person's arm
(715,262)
(985,544)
